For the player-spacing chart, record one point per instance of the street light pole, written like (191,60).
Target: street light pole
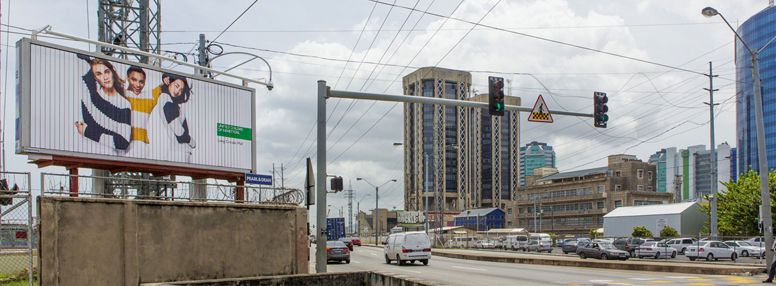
(425,183)
(377,209)
(762,158)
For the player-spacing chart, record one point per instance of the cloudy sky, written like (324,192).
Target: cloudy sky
(563,50)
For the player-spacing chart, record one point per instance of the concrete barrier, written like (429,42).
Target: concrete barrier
(86,241)
(357,278)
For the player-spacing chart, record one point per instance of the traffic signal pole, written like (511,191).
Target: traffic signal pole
(324,93)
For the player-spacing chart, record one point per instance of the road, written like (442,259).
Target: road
(449,271)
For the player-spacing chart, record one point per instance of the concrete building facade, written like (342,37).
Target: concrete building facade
(535,155)
(472,157)
(687,172)
(573,203)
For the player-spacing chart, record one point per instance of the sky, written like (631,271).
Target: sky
(649,56)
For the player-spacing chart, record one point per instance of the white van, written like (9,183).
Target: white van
(515,242)
(462,242)
(407,247)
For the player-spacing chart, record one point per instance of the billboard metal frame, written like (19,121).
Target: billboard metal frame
(47,157)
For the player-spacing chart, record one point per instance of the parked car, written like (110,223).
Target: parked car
(539,246)
(461,242)
(337,251)
(485,243)
(602,250)
(711,250)
(758,241)
(407,247)
(744,249)
(347,242)
(515,242)
(628,244)
(654,249)
(571,245)
(681,244)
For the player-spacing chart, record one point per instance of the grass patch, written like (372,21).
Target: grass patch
(19,278)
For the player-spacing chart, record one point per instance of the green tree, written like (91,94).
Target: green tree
(737,208)
(640,231)
(593,233)
(668,231)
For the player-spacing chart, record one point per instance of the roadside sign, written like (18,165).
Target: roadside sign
(540,112)
(258,179)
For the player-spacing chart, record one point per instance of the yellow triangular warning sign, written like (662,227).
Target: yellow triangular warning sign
(540,112)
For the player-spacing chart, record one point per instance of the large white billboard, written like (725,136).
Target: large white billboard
(82,104)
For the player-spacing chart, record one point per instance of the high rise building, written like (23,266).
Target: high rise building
(687,172)
(535,155)
(756,32)
(472,157)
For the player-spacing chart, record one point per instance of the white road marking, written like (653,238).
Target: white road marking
(478,269)
(680,277)
(408,270)
(644,279)
(601,281)
(354,261)
(373,254)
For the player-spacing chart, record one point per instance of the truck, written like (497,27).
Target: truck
(335,227)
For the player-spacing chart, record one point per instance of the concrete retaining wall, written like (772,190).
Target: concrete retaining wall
(358,278)
(86,241)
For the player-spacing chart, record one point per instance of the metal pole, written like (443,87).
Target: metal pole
(202,59)
(377,214)
(320,243)
(713,157)
(762,159)
(425,189)
(534,211)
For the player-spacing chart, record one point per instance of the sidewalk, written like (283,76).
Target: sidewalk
(573,261)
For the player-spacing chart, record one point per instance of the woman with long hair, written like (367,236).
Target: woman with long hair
(105,110)
(175,93)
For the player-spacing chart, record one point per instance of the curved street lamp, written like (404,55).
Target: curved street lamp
(761,154)
(377,210)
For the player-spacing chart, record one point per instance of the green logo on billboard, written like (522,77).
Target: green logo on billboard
(237,132)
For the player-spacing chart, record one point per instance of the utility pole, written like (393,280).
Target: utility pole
(678,189)
(713,155)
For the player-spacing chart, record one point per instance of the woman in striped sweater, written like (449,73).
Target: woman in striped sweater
(105,110)
(168,120)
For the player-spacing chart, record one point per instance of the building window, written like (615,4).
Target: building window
(617,204)
(649,175)
(616,173)
(492,217)
(502,217)
(509,224)
(519,210)
(649,189)
(617,188)
(641,188)
(509,211)
(600,189)
(640,174)
(600,205)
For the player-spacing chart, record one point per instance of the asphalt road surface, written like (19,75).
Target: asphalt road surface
(450,271)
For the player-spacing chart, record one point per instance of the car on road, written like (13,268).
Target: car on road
(355,240)
(485,243)
(681,244)
(539,245)
(571,245)
(348,242)
(654,249)
(461,242)
(602,250)
(711,250)
(407,247)
(337,251)
(744,249)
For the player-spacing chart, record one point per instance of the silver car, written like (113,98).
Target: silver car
(539,246)
(711,250)
(744,249)
(655,249)
(337,251)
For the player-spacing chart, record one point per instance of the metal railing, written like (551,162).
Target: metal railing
(18,243)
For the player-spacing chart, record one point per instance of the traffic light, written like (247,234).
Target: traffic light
(336,184)
(600,109)
(496,94)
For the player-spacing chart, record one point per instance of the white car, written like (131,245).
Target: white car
(407,247)
(654,249)
(711,250)
(539,245)
(681,244)
(758,241)
(744,249)
(484,243)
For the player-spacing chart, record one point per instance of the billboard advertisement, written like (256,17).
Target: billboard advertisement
(88,105)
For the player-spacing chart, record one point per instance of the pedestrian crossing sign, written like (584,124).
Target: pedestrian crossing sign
(540,112)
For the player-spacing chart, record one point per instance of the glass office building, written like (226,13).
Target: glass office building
(756,32)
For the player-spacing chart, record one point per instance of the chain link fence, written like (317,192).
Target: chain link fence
(18,237)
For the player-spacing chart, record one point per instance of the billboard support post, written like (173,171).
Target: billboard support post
(239,196)
(73,182)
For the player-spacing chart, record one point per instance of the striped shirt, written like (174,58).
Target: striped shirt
(142,105)
(107,118)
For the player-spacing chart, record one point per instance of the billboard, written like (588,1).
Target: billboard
(88,105)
